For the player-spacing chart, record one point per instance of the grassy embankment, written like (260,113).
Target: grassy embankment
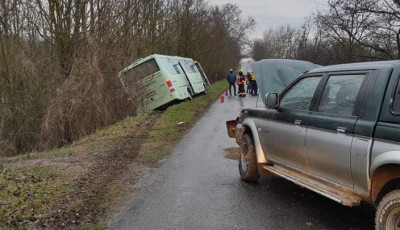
(80,184)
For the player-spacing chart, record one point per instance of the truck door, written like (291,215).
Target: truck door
(284,129)
(331,128)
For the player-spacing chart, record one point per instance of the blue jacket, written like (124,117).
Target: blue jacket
(231,78)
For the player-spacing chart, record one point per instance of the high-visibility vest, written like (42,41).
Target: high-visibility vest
(253,78)
(240,81)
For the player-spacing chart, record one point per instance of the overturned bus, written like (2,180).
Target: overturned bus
(161,80)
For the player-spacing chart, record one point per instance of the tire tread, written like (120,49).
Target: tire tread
(393,195)
(252,174)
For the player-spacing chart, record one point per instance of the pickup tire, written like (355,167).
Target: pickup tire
(388,212)
(248,160)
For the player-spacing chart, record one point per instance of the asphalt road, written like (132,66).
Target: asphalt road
(197,188)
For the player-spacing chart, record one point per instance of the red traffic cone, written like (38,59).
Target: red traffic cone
(226,92)
(222,99)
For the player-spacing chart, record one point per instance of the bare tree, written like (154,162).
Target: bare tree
(59,59)
(276,43)
(371,24)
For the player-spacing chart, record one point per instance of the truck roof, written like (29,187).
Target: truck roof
(357,66)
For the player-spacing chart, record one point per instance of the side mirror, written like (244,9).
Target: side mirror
(271,100)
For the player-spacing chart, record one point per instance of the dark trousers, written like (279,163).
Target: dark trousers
(241,89)
(249,87)
(234,88)
(254,88)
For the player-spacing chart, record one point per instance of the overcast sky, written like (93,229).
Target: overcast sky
(275,12)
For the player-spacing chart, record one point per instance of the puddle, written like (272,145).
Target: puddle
(232,153)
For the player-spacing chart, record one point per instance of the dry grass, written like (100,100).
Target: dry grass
(79,185)
(80,106)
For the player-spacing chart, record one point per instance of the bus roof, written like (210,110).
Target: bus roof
(142,60)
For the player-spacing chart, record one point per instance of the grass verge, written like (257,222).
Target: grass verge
(77,186)
(173,124)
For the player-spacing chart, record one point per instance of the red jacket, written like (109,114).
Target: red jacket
(241,80)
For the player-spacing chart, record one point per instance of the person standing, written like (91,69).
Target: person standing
(254,86)
(248,82)
(231,78)
(241,83)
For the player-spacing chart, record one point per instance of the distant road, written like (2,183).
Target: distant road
(197,188)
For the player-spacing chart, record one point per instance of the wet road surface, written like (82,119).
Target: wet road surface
(197,188)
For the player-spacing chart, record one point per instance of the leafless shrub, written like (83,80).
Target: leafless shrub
(59,60)
(80,106)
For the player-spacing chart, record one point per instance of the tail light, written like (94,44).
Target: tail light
(169,82)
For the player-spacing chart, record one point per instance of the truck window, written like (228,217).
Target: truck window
(396,100)
(299,97)
(132,76)
(340,94)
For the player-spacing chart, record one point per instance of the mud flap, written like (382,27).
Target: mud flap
(231,127)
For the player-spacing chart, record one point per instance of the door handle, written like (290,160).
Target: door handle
(297,122)
(341,129)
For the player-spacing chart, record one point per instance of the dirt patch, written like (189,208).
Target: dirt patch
(111,174)
(69,165)
(80,185)
(232,153)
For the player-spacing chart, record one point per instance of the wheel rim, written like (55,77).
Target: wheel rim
(393,221)
(243,159)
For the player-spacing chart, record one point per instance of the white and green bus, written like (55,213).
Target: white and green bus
(161,80)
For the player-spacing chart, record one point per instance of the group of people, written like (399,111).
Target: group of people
(249,79)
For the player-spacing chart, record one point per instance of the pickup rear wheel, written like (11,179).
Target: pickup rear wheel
(248,160)
(388,212)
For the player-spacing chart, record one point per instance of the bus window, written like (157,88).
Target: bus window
(176,69)
(188,65)
(132,76)
(193,68)
(170,66)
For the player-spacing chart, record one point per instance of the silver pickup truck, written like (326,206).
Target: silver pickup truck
(336,131)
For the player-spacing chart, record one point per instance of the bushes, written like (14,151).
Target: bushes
(59,60)
(80,106)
